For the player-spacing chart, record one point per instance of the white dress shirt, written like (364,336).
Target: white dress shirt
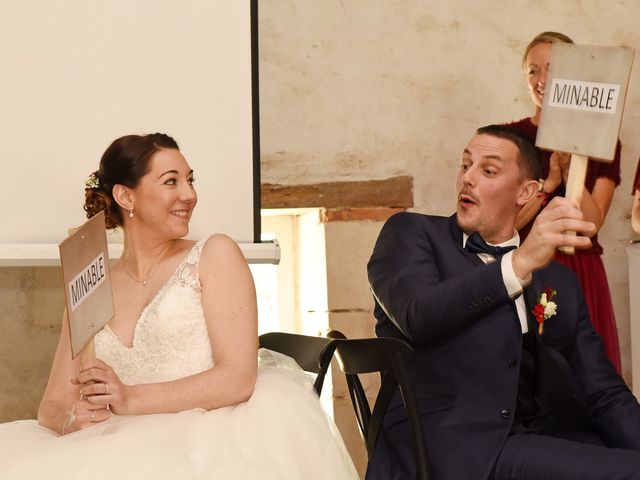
(512,283)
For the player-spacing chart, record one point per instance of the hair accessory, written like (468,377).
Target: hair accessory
(131,213)
(93,181)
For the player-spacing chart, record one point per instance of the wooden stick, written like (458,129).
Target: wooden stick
(88,353)
(575,188)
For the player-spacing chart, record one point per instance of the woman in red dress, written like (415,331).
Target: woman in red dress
(602,178)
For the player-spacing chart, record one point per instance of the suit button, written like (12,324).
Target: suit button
(513,362)
(505,414)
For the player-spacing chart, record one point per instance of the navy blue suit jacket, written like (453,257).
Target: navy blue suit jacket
(456,313)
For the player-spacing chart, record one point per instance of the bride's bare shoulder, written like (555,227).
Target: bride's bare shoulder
(221,249)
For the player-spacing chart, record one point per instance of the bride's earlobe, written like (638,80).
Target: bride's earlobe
(123,197)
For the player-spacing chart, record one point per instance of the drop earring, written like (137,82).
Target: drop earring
(131,213)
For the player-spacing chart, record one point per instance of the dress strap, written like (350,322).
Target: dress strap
(193,257)
(188,270)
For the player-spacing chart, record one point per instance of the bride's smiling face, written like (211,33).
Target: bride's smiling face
(165,197)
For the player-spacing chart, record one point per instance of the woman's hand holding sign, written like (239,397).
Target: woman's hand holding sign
(101,395)
(102,388)
(559,164)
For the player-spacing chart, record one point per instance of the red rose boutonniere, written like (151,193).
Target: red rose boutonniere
(545,308)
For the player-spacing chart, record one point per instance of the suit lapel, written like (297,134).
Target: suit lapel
(553,388)
(547,382)
(530,300)
(472,257)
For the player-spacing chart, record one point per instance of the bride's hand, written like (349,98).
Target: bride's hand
(102,387)
(85,414)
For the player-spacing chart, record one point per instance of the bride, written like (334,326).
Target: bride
(176,391)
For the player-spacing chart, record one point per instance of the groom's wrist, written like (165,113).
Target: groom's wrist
(521,267)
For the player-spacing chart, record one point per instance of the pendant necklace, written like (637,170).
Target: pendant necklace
(152,270)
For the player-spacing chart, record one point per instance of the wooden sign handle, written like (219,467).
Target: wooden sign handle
(575,187)
(88,353)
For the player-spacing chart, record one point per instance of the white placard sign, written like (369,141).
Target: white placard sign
(87,281)
(584,99)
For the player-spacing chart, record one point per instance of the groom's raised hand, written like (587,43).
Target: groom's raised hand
(548,233)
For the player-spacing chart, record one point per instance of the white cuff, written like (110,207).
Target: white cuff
(512,283)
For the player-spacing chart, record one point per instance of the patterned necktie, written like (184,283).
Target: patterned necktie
(476,244)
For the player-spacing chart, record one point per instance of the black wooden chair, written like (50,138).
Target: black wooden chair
(389,356)
(313,354)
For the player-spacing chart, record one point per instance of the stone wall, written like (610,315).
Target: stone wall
(364,90)
(32,302)
(361,89)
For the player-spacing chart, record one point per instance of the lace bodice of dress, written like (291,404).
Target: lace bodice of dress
(170,340)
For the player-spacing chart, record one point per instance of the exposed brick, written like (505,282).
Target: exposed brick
(392,192)
(379,214)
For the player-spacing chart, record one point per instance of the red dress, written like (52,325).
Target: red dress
(587,264)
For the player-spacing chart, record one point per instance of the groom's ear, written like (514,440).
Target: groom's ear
(528,190)
(123,196)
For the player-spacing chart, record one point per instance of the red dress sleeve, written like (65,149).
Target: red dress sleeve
(636,180)
(609,170)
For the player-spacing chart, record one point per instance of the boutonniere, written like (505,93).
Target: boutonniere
(545,308)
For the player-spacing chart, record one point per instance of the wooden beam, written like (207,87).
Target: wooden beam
(394,192)
(373,214)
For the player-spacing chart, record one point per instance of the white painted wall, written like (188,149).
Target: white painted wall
(77,74)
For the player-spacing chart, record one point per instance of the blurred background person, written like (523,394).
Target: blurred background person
(601,180)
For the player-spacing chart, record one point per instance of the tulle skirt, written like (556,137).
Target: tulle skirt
(280,433)
(591,274)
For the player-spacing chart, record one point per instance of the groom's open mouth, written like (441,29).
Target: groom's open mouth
(466,200)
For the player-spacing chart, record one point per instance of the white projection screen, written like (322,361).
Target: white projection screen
(76,74)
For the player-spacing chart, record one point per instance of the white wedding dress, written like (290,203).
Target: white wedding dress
(280,433)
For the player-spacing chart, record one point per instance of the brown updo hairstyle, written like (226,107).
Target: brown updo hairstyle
(544,37)
(125,162)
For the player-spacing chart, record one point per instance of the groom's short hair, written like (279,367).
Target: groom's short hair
(528,156)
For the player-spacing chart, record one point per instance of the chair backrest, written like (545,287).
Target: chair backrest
(313,354)
(389,356)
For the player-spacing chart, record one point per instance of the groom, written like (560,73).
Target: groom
(511,380)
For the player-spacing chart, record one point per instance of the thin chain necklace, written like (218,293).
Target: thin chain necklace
(152,270)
